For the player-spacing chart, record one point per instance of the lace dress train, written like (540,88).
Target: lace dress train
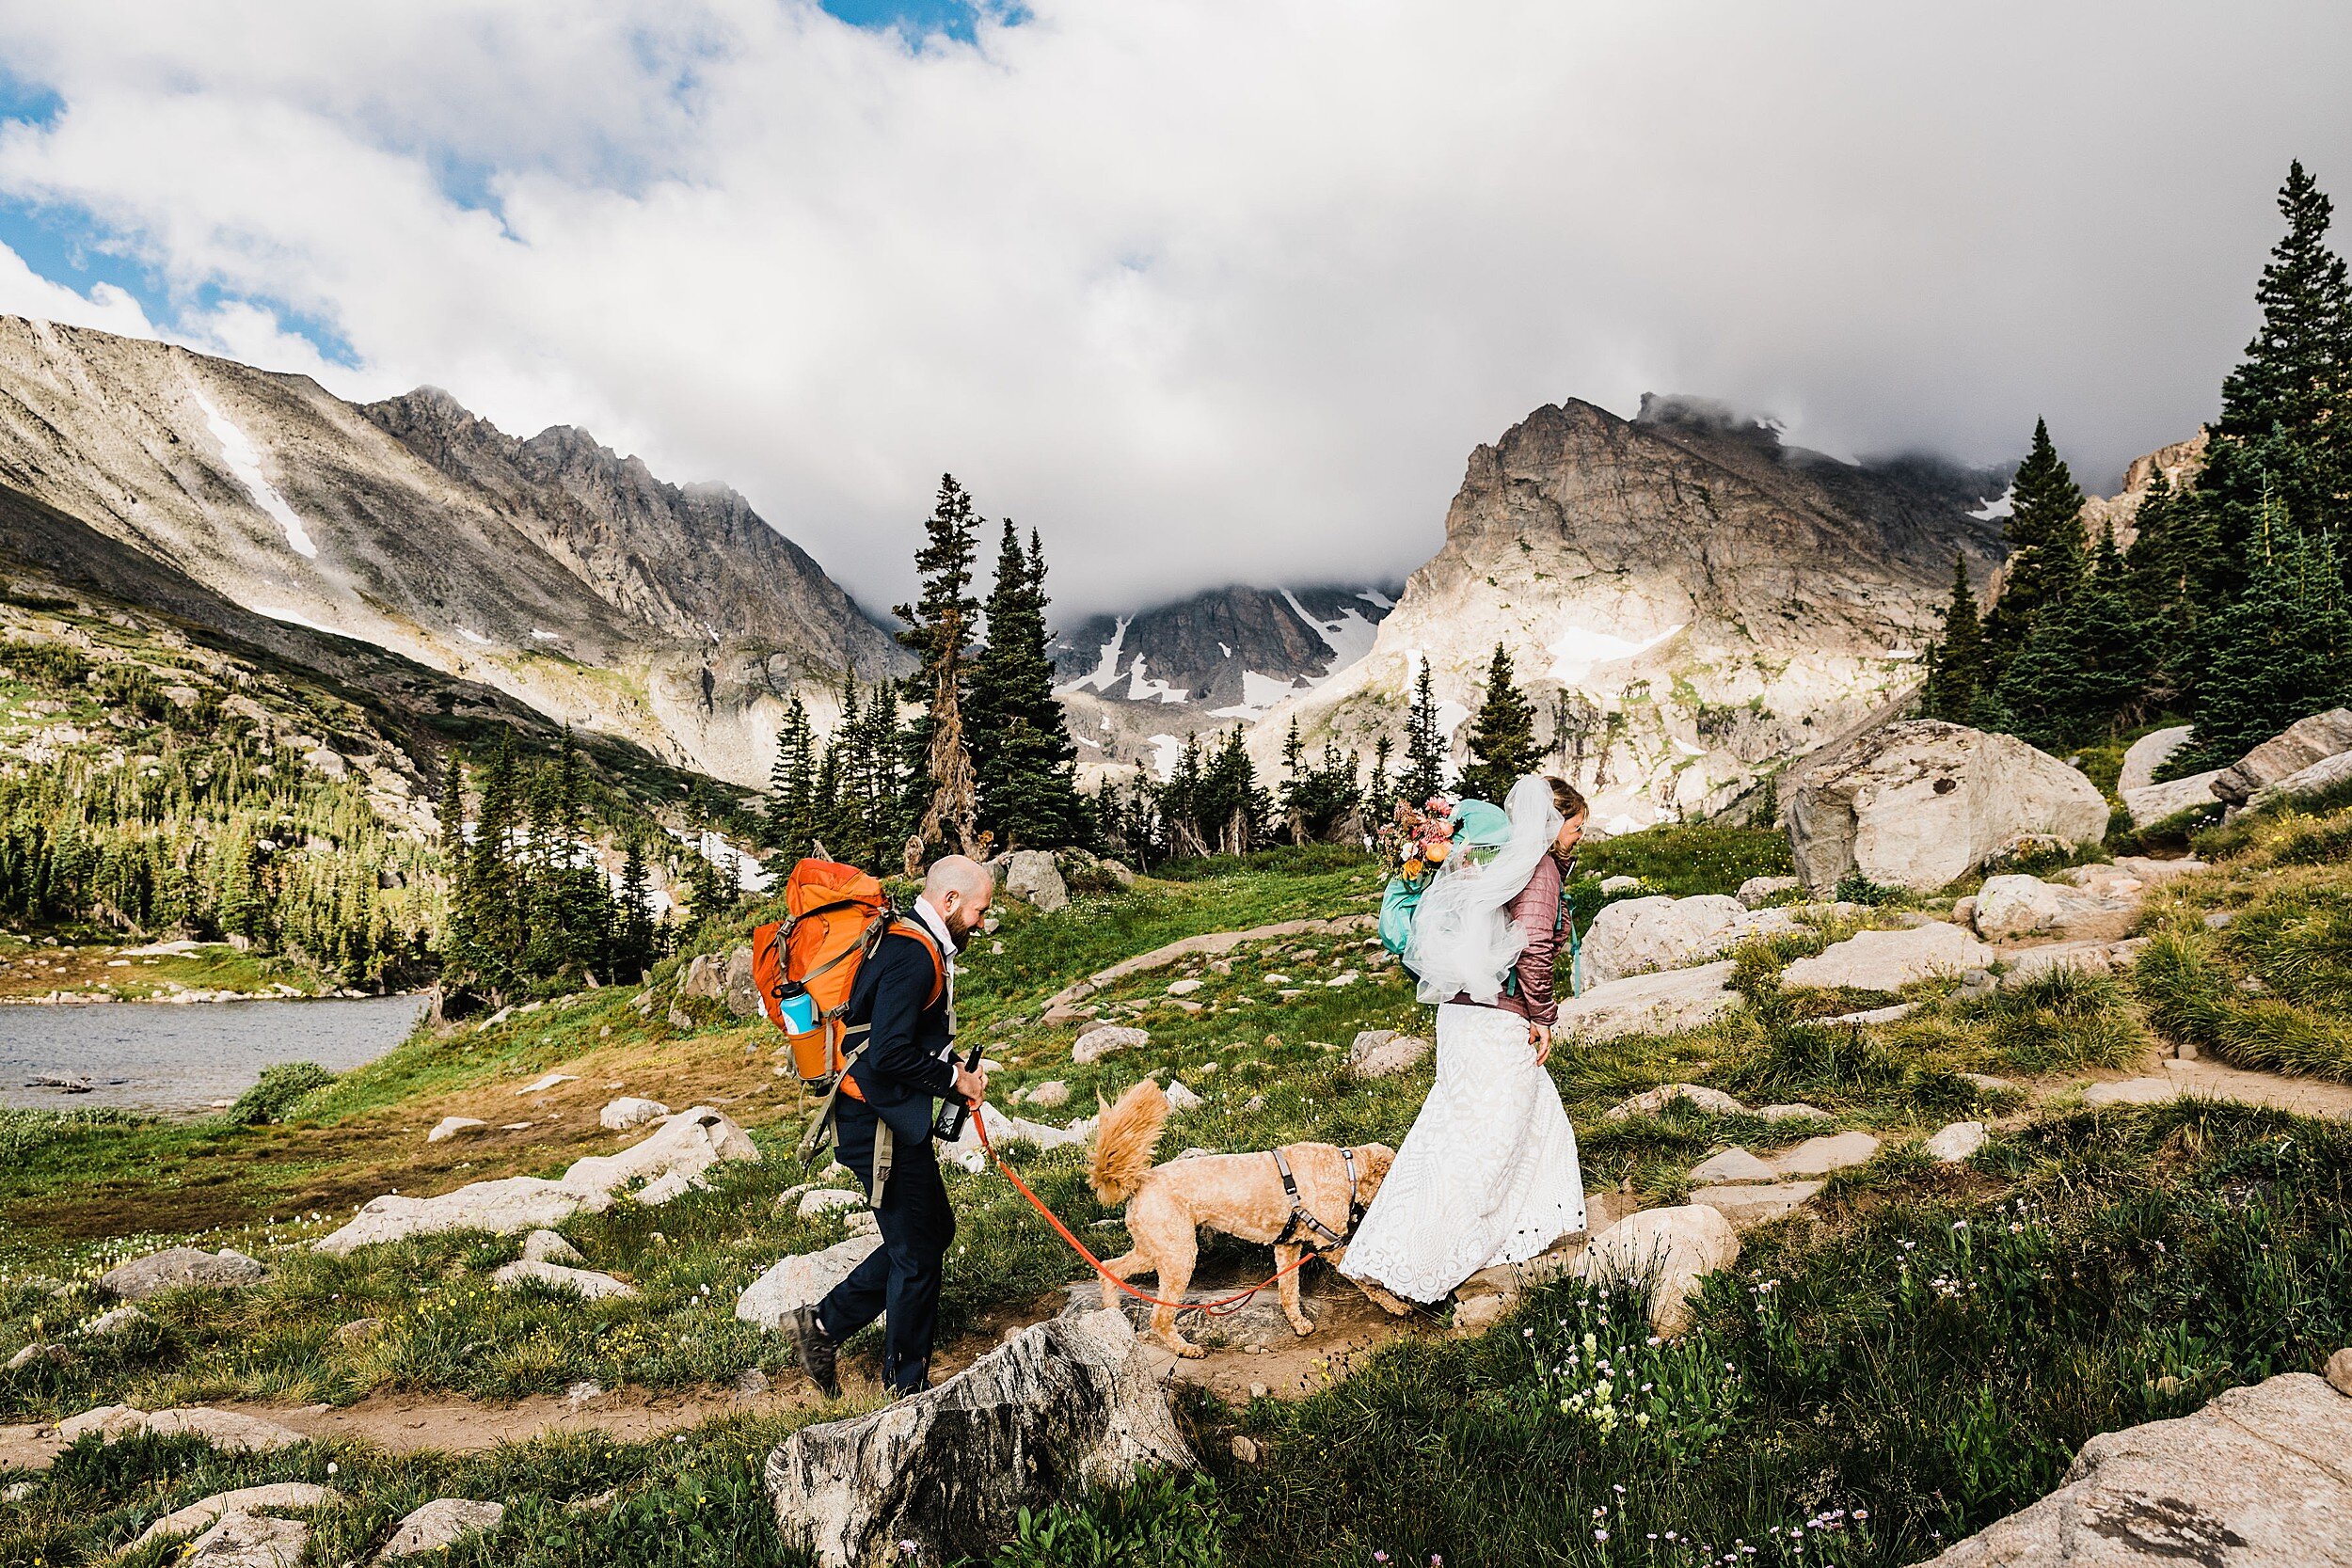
(1489,1173)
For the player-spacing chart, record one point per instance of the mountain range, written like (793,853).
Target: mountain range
(549,569)
(1691,602)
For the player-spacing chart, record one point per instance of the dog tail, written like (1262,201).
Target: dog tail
(1124,1142)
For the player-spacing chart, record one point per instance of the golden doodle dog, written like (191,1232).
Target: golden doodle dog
(1241,1195)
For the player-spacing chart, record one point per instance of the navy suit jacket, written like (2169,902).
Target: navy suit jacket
(902,1072)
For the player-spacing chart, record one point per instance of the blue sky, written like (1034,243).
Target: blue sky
(65,245)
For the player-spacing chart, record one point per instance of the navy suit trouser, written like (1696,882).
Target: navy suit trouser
(900,1279)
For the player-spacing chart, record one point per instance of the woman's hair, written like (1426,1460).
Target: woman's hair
(1564,796)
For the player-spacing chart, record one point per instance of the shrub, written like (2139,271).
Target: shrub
(275,1093)
(1159,1522)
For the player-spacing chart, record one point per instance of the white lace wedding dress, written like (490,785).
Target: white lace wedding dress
(1489,1173)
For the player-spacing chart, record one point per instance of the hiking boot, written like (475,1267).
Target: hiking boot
(816,1352)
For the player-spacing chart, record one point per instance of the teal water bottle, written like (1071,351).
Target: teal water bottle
(796,1011)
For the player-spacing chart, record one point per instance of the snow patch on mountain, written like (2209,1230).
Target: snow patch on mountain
(1349,638)
(1997,507)
(1259,693)
(1578,650)
(1141,688)
(1105,674)
(245,461)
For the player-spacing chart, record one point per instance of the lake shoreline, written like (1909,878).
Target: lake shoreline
(162,1057)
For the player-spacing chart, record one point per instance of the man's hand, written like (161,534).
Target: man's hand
(971,1086)
(1539,1036)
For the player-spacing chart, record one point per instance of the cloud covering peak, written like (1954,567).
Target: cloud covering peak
(1206,291)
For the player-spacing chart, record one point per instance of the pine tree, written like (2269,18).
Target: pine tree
(2044,531)
(939,631)
(633,933)
(792,782)
(1021,754)
(1956,662)
(459,938)
(1424,745)
(1378,791)
(1502,735)
(493,887)
(2280,652)
(2295,385)
(2083,672)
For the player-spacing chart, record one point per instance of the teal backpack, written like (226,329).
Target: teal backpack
(1481,825)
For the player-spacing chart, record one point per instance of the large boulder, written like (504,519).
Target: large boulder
(1650,1102)
(2256,1479)
(1384,1054)
(629,1111)
(2288,753)
(178,1268)
(1889,960)
(223,1428)
(2327,774)
(671,1162)
(1921,802)
(439,1525)
(587,1284)
(968,1152)
(1636,935)
(2153,802)
(1649,1004)
(737,989)
(2018,905)
(1104,1038)
(1671,1250)
(1031,876)
(207,1511)
(2145,755)
(1067,1404)
(799,1281)
(706,976)
(248,1541)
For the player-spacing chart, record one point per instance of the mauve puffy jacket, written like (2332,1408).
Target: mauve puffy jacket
(1536,911)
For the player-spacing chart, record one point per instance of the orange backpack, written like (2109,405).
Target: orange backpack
(805,965)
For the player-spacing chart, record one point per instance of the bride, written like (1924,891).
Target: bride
(1489,1173)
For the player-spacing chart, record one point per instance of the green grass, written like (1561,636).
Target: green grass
(1682,858)
(1923,1359)
(2272,987)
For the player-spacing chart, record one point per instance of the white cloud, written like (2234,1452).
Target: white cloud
(26,292)
(1205,288)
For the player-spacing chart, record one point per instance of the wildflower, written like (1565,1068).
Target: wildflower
(1600,1535)
(906,1548)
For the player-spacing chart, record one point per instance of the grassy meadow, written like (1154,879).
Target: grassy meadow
(1918,1352)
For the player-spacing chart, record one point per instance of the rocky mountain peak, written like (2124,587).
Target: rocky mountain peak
(1691,599)
(552,569)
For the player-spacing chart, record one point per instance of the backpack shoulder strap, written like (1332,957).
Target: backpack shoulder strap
(917,929)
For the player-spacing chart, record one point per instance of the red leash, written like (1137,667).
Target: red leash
(1224,1306)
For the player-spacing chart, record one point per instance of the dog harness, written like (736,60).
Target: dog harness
(1301,1220)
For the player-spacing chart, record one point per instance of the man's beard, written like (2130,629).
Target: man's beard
(960,928)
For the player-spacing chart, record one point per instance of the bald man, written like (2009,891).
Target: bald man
(906,992)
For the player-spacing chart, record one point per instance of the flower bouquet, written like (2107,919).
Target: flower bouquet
(1415,840)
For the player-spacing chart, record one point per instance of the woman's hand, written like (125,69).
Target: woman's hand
(1539,1036)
